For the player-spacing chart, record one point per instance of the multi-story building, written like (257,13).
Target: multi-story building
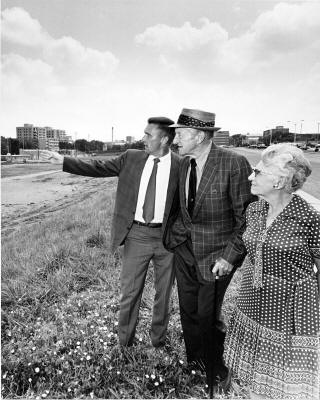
(129,139)
(57,134)
(27,135)
(277,134)
(221,138)
(41,137)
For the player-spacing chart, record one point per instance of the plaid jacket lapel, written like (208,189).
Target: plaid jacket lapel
(209,170)
(182,187)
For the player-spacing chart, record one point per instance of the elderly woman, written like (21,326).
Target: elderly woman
(272,344)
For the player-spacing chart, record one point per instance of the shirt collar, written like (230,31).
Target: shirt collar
(163,158)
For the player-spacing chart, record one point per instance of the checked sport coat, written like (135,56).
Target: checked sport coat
(128,167)
(218,219)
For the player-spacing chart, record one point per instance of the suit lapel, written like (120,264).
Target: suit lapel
(209,170)
(137,172)
(173,179)
(182,186)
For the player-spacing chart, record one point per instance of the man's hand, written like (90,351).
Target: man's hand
(51,156)
(221,267)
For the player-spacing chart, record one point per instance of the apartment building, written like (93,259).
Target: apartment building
(44,138)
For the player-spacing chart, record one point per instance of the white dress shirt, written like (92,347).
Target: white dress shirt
(162,182)
(200,160)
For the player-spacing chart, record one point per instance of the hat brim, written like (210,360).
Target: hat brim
(200,128)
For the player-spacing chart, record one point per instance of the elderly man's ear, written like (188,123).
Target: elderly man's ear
(201,136)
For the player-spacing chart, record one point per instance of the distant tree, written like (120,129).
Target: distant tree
(9,145)
(81,145)
(136,145)
(237,140)
(96,145)
(4,145)
(66,146)
(14,146)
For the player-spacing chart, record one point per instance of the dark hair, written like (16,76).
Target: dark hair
(168,132)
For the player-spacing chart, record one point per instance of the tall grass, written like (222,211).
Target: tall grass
(60,303)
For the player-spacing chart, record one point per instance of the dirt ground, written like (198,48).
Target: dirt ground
(29,198)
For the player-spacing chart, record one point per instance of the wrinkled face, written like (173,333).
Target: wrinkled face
(263,179)
(187,139)
(153,139)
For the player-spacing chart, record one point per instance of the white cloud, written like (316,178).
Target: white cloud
(183,39)
(71,62)
(286,29)
(18,27)
(60,83)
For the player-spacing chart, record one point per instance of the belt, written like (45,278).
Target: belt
(149,225)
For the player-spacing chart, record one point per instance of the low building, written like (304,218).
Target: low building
(221,138)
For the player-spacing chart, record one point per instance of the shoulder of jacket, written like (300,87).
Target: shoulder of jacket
(134,153)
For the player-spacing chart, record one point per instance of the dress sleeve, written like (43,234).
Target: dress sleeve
(314,235)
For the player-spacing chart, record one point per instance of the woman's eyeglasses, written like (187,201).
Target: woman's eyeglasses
(258,171)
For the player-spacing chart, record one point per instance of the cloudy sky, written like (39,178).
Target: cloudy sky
(87,65)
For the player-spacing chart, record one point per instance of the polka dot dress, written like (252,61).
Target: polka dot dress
(273,342)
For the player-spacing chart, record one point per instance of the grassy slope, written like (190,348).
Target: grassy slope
(60,300)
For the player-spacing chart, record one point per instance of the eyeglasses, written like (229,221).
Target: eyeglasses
(257,171)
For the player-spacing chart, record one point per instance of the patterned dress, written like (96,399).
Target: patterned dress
(273,342)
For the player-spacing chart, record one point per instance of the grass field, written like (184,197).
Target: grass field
(60,303)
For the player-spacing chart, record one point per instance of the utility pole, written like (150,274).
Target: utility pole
(318,133)
(295,132)
(112,135)
(301,126)
(288,122)
(75,139)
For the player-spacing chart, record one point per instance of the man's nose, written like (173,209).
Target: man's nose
(252,176)
(176,140)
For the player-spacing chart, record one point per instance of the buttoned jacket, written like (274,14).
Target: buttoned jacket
(128,167)
(218,219)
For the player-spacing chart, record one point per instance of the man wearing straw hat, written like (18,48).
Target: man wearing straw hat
(205,232)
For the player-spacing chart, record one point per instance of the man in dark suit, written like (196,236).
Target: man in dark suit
(205,232)
(146,187)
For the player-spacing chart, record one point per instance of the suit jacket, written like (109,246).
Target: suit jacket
(218,219)
(128,167)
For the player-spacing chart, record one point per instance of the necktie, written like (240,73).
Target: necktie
(192,186)
(148,206)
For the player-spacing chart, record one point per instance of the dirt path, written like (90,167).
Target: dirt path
(30,198)
(12,178)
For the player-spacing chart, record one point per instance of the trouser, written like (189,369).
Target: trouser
(142,245)
(200,310)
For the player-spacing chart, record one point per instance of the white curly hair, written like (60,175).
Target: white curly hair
(291,162)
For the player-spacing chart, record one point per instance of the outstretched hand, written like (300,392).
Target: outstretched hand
(51,156)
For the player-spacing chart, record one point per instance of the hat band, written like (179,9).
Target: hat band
(193,122)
